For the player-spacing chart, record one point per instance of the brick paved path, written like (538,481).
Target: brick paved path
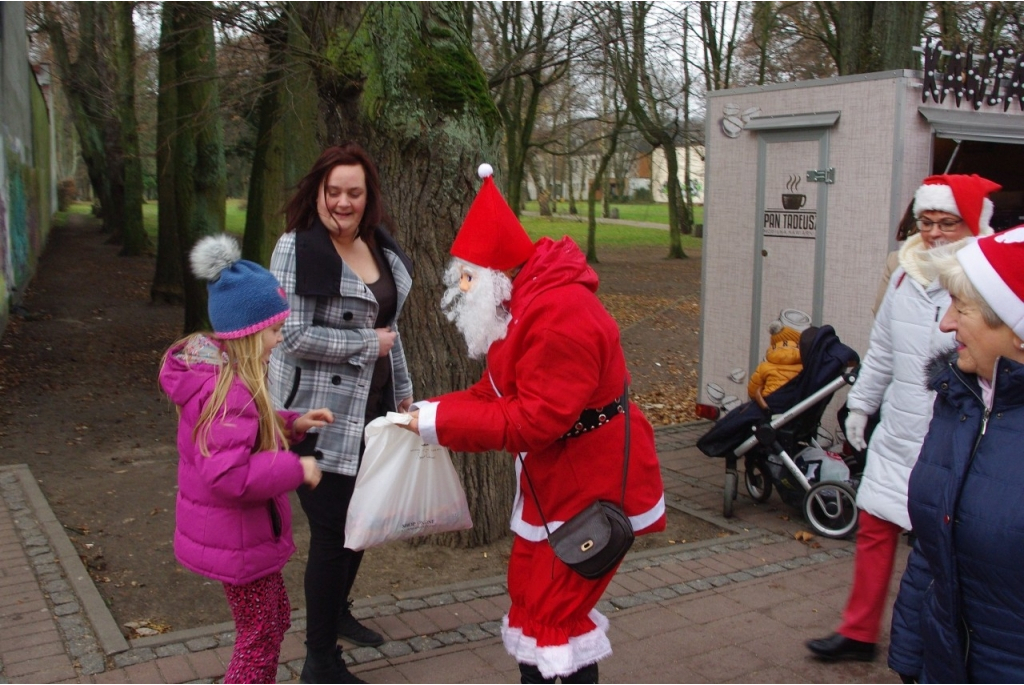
(736,609)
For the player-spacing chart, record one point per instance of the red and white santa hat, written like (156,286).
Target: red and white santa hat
(491,235)
(959,194)
(995,266)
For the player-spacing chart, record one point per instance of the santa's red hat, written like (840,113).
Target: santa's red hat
(959,194)
(995,266)
(491,235)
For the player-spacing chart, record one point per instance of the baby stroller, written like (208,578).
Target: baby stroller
(780,447)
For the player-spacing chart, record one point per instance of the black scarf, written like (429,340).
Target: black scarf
(318,267)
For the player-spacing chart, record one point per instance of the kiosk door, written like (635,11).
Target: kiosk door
(790,242)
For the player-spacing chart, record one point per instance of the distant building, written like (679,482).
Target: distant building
(659,173)
(638,168)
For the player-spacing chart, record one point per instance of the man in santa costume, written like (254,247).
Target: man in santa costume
(553,394)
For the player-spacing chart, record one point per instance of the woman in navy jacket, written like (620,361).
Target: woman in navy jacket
(959,616)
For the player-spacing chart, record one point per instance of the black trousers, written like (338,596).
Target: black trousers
(331,569)
(530,674)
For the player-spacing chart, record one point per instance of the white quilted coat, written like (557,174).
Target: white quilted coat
(893,376)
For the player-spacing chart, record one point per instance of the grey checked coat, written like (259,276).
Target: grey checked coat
(330,347)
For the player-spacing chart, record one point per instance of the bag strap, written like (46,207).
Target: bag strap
(625,464)
(625,459)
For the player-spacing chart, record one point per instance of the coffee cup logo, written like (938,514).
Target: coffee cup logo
(792,199)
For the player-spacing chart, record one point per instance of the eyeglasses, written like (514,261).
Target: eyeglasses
(944,226)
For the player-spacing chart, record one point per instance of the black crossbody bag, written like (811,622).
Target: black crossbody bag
(594,541)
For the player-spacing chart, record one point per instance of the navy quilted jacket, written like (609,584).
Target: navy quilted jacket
(959,616)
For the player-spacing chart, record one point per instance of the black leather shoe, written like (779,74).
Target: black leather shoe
(836,647)
(355,632)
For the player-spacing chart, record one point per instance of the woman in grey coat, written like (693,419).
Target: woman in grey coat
(346,281)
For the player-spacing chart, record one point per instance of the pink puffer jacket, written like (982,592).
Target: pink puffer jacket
(226,502)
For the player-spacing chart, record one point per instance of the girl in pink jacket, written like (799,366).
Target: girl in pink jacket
(233,520)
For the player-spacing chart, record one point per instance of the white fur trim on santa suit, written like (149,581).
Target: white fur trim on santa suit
(427,421)
(534,533)
(559,660)
(939,198)
(991,286)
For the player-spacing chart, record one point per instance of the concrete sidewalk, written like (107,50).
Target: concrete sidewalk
(735,609)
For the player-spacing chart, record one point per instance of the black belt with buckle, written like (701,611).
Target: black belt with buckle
(592,419)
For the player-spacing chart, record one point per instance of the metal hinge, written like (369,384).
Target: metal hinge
(822,175)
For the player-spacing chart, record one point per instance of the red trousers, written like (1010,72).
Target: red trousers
(552,623)
(262,616)
(872,571)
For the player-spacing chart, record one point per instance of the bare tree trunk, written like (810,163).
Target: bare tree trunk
(83,88)
(599,179)
(199,170)
(629,58)
(527,60)
(874,36)
(167,281)
(609,143)
(687,223)
(286,142)
(134,240)
(676,211)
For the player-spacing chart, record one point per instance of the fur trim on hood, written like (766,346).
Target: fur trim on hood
(939,364)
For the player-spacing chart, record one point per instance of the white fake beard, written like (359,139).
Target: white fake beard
(478,314)
(940,242)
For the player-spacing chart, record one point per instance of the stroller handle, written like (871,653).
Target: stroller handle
(785,417)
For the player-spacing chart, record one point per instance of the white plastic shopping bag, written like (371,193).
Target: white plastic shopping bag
(404,488)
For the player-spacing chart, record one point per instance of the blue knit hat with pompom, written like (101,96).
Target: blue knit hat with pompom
(244,298)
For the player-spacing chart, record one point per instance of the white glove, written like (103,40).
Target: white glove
(856,422)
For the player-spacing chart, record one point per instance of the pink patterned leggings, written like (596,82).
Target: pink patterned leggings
(262,615)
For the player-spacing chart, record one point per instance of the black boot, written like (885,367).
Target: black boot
(587,674)
(531,674)
(837,647)
(354,631)
(326,667)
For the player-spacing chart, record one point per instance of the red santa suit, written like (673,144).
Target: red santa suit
(561,355)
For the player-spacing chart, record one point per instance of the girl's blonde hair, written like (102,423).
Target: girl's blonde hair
(245,362)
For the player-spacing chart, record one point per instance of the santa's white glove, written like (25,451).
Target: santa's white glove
(856,422)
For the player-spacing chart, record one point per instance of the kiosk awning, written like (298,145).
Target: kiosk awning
(786,121)
(986,127)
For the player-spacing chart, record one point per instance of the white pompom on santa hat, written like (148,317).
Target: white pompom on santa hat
(491,235)
(995,266)
(959,194)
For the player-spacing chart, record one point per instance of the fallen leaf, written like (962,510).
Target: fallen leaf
(803,536)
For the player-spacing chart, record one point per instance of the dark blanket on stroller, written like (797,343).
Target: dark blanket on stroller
(825,361)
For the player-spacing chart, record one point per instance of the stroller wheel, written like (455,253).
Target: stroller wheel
(729,496)
(757,480)
(831,509)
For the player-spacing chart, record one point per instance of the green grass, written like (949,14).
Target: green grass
(608,235)
(234,218)
(654,212)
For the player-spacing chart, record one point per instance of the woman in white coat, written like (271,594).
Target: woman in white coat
(893,378)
